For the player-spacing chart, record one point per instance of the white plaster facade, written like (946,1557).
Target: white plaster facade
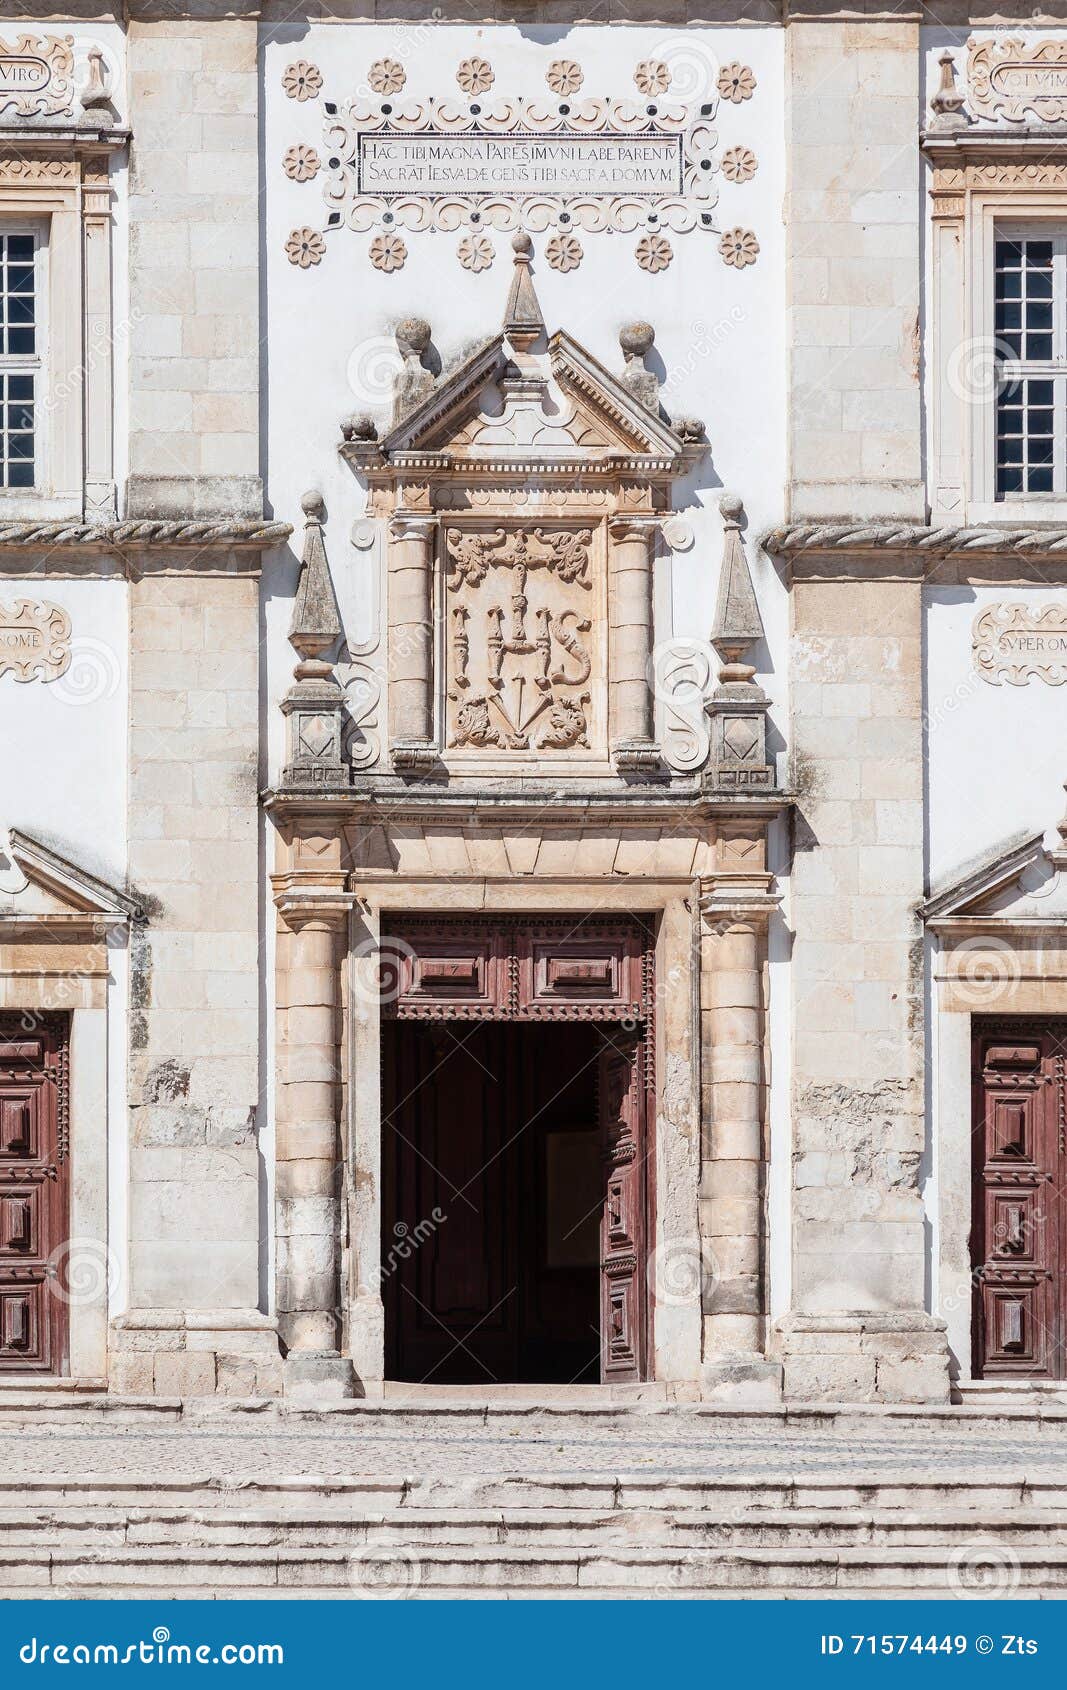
(812,1127)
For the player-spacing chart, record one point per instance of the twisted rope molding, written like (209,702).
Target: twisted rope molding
(153,532)
(911,537)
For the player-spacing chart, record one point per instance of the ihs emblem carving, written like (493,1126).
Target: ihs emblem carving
(517,671)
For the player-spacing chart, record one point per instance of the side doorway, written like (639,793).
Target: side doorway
(1019,1198)
(34,1193)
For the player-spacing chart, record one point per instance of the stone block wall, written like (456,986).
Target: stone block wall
(853,217)
(194,1076)
(858,1330)
(194,276)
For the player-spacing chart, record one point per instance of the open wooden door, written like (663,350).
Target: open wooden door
(621,1099)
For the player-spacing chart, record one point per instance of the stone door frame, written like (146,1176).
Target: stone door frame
(675,1350)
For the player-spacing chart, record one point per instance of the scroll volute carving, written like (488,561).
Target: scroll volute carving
(524,647)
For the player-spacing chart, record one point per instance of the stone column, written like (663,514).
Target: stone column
(735,909)
(309,1164)
(630,706)
(411,622)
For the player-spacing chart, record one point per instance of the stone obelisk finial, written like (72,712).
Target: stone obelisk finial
(523,323)
(738,707)
(314,705)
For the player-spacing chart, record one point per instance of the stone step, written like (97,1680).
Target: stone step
(1000,1494)
(503,1570)
(1000,1491)
(109,1529)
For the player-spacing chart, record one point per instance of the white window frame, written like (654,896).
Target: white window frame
(1041,214)
(1055,370)
(36,364)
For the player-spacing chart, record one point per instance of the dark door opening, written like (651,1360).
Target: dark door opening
(495,1191)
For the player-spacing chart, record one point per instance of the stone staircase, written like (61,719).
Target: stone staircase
(141,1499)
(582,1535)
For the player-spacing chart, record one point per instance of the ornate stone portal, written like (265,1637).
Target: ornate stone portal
(520,782)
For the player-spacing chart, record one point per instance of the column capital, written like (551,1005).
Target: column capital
(634,525)
(746,898)
(302,903)
(412,525)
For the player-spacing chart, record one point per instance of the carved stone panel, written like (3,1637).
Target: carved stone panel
(37,75)
(1007,78)
(523,646)
(34,640)
(1012,642)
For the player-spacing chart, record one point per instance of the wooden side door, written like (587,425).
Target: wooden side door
(33,1198)
(621,1108)
(1018,1234)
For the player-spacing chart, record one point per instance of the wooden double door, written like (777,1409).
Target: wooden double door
(34,1194)
(516,1157)
(1019,1215)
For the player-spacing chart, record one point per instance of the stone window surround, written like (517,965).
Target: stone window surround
(977,182)
(59,181)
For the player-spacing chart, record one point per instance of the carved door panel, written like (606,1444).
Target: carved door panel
(1018,1236)
(621,1101)
(33,1196)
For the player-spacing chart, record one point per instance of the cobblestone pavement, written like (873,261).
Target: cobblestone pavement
(450,1447)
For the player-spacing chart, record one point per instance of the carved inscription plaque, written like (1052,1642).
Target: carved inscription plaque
(34,640)
(520,640)
(520,164)
(1009,79)
(1013,642)
(37,75)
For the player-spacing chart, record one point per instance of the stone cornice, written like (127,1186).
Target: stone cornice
(1035,146)
(135,536)
(916,551)
(433,805)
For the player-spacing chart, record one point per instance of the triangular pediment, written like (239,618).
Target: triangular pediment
(556,405)
(1019,881)
(39,885)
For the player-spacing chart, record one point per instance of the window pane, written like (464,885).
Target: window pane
(1038,347)
(19,248)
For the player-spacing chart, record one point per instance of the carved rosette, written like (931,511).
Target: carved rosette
(521,655)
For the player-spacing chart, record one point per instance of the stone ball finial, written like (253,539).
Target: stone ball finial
(731,506)
(636,339)
(413,335)
(359,427)
(521,244)
(313,505)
